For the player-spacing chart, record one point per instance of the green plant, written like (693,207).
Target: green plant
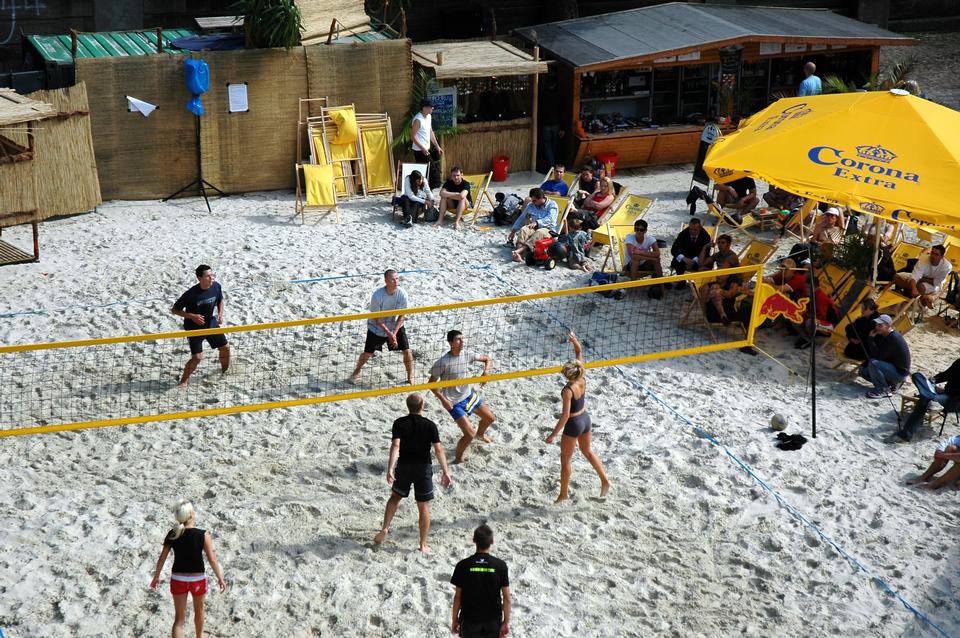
(270,23)
(891,77)
(418,93)
(855,253)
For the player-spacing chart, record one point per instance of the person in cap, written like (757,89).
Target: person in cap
(829,229)
(926,279)
(422,139)
(889,362)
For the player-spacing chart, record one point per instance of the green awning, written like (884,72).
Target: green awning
(56,48)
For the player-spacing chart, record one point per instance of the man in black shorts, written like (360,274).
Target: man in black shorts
(386,330)
(481,580)
(197,307)
(413,435)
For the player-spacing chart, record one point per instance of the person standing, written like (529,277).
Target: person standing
(575,422)
(188,544)
(197,306)
(409,464)
(422,139)
(462,400)
(811,83)
(386,330)
(481,601)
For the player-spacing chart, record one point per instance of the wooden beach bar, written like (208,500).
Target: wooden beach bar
(643,82)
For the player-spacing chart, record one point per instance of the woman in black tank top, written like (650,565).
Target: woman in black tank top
(188,544)
(575,423)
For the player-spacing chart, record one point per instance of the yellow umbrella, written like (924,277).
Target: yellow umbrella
(886,153)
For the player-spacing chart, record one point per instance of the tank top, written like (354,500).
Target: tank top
(423,133)
(577,404)
(187,551)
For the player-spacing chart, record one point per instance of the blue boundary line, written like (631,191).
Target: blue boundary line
(781,501)
(310,280)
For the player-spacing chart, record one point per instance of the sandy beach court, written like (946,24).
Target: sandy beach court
(687,542)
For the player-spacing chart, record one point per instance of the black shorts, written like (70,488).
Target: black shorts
(375,342)
(215,341)
(420,476)
(480,629)
(644,266)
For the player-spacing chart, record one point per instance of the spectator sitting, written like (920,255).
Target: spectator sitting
(859,330)
(687,247)
(948,392)
(740,194)
(728,302)
(556,186)
(416,199)
(889,362)
(595,206)
(780,199)
(723,258)
(641,253)
(927,277)
(537,221)
(947,450)
(586,185)
(575,241)
(830,228)
(869,229)
(827,315)
(454,196)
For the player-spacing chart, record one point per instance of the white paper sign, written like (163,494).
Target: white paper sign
(139,106)
(770,48)
(237,95)
(794,48)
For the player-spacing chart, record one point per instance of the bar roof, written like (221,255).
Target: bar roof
(658,31)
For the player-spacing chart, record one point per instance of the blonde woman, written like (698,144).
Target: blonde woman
(188,544)
(575,423)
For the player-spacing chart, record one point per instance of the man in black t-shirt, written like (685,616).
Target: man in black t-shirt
(197,307)
(738,193)
(481,581)
(455,197)
(412,438)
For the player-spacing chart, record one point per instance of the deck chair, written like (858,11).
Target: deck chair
(564,205)
(800,225)
(479,185)
(621,215)
(568,178)
(756,253)
(316,191)
(403,172)
(904,252)
(723,219)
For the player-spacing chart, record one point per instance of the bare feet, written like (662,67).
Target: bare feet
(486,438)
(425,549)
(914,481)
(380,537)
(354,379)
(457,461)
(515,255)
(604,488)
(562,498)
(929,486)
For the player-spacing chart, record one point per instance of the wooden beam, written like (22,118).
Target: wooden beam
(536,101)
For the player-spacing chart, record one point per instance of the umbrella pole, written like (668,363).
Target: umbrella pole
(878,222)
(813,343)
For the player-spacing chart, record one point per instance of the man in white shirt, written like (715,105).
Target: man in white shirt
(422,138)
(462,400)
(927,277)
(386,330)
(641,252)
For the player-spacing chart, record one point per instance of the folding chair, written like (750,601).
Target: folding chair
(622,214)
(479,183)
(568,178)
(723,218)
(403,172)
(756,253)
(564,205)
(376,149)
(904,252)
(315,191)
(699,303)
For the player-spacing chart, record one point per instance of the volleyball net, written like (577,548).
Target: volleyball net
(72,385)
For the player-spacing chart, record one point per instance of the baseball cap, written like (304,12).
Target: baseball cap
(833,210)
(884,319)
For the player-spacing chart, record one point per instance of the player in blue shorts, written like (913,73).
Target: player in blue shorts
(202,307)
(461,401)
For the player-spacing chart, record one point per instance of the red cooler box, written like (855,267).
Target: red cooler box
(501,165)
(610,161)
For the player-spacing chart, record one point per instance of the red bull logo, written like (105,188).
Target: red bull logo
(776,304)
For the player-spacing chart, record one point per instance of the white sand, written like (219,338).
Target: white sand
(686,543)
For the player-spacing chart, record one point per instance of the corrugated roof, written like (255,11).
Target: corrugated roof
(654,31)
(56,48)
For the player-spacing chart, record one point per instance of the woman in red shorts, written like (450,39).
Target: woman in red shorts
(188,544)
